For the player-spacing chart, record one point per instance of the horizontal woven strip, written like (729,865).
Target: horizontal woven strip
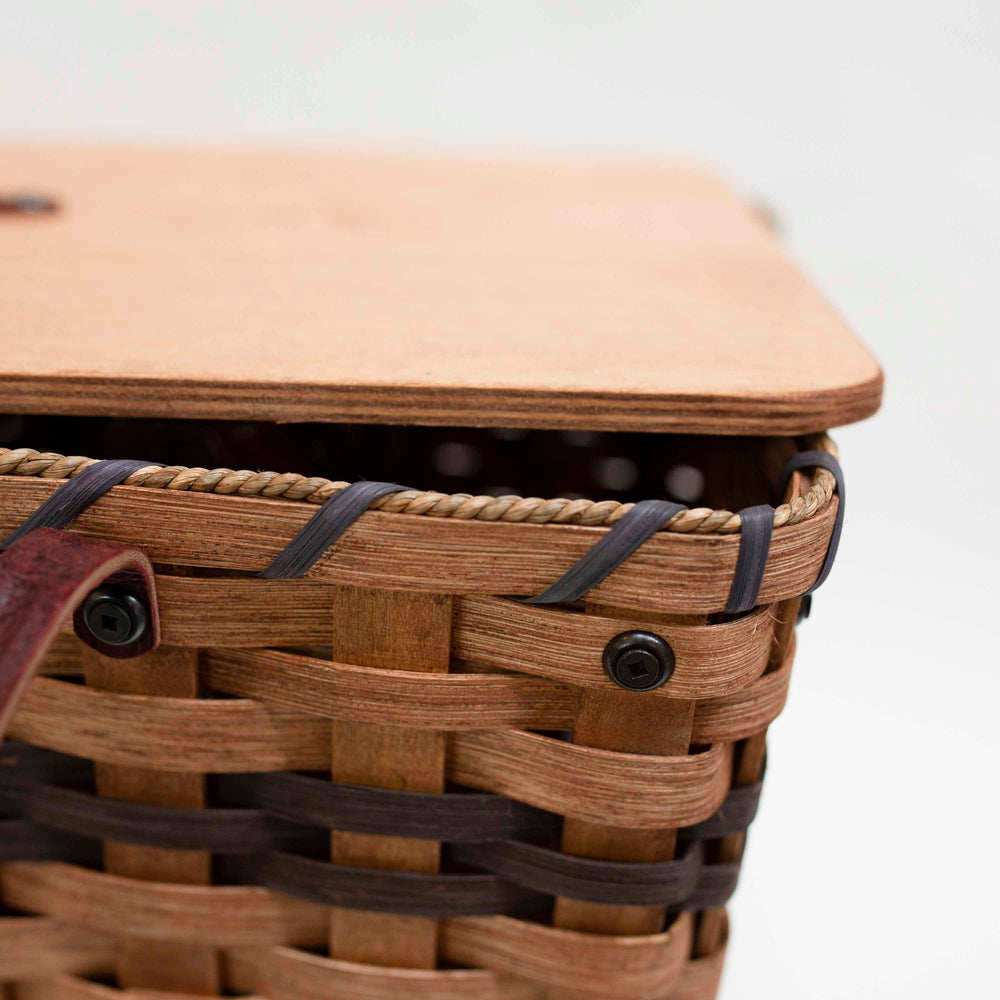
(288,974)
(42,955)
(673,573)
(446,701)
(676,883)
(461,506)
(231,736)
(267,810)
(330,690)
(512,878)
(66,824)
(601,966)
(557,645)
(551,646)
(38,947)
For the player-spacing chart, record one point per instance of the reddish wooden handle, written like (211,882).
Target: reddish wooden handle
(43,579)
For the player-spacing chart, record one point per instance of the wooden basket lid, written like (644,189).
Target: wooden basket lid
(404,289)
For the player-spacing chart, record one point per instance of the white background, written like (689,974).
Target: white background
(873,128)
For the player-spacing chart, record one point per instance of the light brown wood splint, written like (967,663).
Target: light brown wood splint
(191,968)
(286,974)
(412,290)
(577,966)
(388,630)
(235,736)
(672,573)
(74,988)
(161,911)
(466,701)
(35,947)
(711,661)
(625,721)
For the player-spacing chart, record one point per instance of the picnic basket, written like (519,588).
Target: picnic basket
(482,714)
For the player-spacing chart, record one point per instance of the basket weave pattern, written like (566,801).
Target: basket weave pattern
(502,822)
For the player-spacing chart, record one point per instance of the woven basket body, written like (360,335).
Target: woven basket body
(497,740)
(204,816)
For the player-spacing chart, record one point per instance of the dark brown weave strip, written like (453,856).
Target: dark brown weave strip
(218,830)
(687,881)
(735,815)
(248,831)
(23,841)
(258,803)
(456,817)
(515,892)
(510,877)
(517,879)
(410,893)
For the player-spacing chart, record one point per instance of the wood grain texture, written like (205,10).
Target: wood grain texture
(703,974)
(452,701)
(623,720)
(751,756)
(258,929)
(630,722)
(600,786)
(744,713)
(574,965)
(159,911)
(413,289)
(397,698)
(710,660)
(236,736)
(287,974)
(67,987)
(38,947)
(189,968)
(388,630)
(169,734)
(557,644)
(671,573)
(713,924)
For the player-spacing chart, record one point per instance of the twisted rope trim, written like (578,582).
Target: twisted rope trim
(463,506)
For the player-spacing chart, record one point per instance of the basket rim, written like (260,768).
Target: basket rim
(292,487)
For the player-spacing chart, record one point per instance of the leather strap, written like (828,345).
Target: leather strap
(44,577)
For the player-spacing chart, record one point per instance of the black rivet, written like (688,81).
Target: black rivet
(805,609)
(638,661)
(28,203)
(115,616)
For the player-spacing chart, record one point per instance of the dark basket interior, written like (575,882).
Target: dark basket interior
(698,470)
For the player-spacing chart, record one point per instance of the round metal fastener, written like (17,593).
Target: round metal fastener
(639,661)
(115,616)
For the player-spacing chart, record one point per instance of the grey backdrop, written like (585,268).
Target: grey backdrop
(873,129)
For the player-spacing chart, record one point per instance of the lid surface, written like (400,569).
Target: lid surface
(403,289)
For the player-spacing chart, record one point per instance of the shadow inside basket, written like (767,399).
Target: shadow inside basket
(727,472)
